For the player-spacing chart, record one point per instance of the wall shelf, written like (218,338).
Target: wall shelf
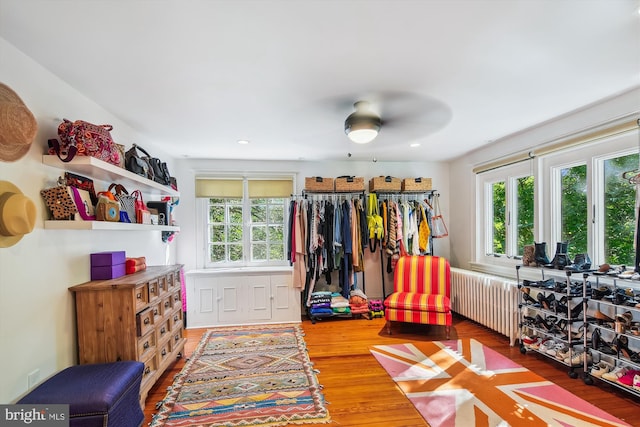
(100,170)
(105,225)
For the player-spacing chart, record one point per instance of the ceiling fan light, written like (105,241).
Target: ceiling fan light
(362,129)
(362,136)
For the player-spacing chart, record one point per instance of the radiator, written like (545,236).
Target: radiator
(489,300)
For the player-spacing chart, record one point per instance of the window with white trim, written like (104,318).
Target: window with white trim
(581,197)
(242,220)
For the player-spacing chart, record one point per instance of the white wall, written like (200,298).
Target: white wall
(37,323)
(462,203)
(188,252)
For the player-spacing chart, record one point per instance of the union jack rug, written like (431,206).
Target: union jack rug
(462,383)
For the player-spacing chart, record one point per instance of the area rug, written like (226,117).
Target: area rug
(245,376)
(462,383)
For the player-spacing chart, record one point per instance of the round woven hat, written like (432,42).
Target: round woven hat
(17,214)
(18,126)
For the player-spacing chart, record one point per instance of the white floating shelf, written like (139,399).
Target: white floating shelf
(97,169)
(105,225)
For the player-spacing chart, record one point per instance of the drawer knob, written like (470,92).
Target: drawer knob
(147,370)
(139,296)
(166,304)
(146,321)
(163,330)
(164,352)
(146,345)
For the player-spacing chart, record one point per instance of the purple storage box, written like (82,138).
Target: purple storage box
(107,258)
(104,272)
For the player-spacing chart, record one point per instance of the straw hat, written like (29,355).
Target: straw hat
(18,126)
(17,214)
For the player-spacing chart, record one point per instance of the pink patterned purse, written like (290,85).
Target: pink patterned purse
(85,139)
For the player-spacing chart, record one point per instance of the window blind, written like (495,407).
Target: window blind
(209,187)
(257,188)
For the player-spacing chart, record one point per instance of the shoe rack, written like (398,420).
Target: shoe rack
(594,321)
(614,325)
(552,320)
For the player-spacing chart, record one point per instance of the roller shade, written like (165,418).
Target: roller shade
(218,188)
(270,188)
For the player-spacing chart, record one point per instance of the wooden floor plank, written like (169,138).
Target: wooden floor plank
(360,393)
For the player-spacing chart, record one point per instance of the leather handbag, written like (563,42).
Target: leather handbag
(82,138)
(59,202)
(147,166)
(138,164)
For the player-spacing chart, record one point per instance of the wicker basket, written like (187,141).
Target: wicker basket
(318,184)
(347,184)
(416,185)
(384,184)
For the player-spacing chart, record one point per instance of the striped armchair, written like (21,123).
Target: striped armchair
(422,288)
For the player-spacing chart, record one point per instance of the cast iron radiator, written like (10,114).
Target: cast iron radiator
(489,300)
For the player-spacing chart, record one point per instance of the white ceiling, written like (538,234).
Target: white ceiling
(194,76)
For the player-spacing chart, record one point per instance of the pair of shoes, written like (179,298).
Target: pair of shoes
(615,373)
(601,368)
(527,340)
(558,348)
(600,293)
(581,263)
(626,318)
(636,382)
(545,301)
(578,359)
(622,346)
(601,317)
(560,259)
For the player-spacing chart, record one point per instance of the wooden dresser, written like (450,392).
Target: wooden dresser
(134,317)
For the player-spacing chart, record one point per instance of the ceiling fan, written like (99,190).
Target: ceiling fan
(362,126)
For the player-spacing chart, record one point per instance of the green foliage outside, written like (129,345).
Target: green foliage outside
(619,227)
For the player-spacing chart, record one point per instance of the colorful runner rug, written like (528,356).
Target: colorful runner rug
(245,376)
(463,383)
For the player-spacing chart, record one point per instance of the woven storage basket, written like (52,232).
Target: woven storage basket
(382,184)
(349,184)
(416,184)
(319,184)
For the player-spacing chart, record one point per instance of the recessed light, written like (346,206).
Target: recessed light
(414,145)
(243,141)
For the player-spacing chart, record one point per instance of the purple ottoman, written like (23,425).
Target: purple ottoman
(99,395)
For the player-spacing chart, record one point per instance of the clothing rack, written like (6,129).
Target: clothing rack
(333,196)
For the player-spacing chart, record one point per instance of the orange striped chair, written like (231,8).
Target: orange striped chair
(422,288)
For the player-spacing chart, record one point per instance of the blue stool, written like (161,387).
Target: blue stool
(99,395)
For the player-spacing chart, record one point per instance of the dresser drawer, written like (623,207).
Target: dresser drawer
(171,282)
(146,345)
(177,298)
(150,369)
(176,335)
(144,322)
(164,352)
(154,290)
(141,294)
(156,308)
(163,286)
(167,305)
(176,318)
(163,330)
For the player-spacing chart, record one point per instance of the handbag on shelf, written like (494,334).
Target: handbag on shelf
(143,216)
(107,209)
(82,200)
(59,202)
(438,226)
(81,183)
(127,201)
(85,139)
(147,166)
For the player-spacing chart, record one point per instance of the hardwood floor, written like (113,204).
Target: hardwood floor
(360,393)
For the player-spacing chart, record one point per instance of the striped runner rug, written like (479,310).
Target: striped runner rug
(245,376)
(462,383)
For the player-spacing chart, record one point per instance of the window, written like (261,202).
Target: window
(509,209)
(574,209)
(243,220)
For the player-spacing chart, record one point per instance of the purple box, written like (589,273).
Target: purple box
(107,258)
(104,272)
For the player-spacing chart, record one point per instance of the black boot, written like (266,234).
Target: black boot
(563,257)
(560,258)
(581,262)
(540,255)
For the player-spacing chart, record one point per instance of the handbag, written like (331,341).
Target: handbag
(107,209)
(59,202)
(156,170)
(438,226)
(143,216)
(127,201)
(85,139)
(82,200)
(140,165)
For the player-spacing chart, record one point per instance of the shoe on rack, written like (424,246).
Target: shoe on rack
(626,318)
(601,317)
(528,340)
(540,253)
(546,345)
(636,382)
(616,373)
(563,353)
(601,368)
(578,359)
(557,348)
(627,378)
